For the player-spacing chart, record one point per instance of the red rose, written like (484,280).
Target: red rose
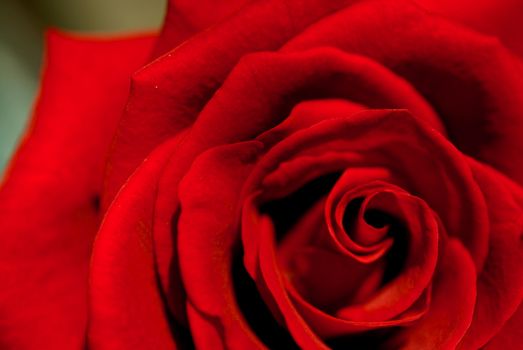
(297,173)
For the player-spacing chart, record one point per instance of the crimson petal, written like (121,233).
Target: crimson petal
(50,196)
(126,308)
(500,283)
(470,79)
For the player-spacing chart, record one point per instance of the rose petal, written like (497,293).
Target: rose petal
(172,90)
(305,337)
(223,119)
(501,18)
(447,185)
(453,299)
(207,231)
(303,75)
(126,308)
(265,86)
(326,278)
(185,18)
(470,79)
(323,135)
(49,198)
(422,230)
(390,302)
(500,283)
(510,336)
(308,113)
(304,321)
(205,333)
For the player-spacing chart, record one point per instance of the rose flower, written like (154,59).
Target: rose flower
(274,174)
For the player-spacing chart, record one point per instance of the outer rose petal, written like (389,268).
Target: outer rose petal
(511,335)
(185,18)
(205,13)
(501,18)
(49,198)
(472,80)
(167,95)
(500,283)
(126,308)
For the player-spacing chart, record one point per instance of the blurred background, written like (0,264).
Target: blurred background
(22,24)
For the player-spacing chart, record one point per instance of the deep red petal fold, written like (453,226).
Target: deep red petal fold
(500,18)
(511,335)
(207,234)
(452,306)
(470,79)
(500,283)
(168,94)
(126,309)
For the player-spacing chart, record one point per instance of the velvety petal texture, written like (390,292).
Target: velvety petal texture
(49,199)
(126,309)
(499,18)
(185,18)
(173,90)
(309,174)
(199,199)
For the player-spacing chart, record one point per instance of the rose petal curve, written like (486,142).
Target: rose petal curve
(49,199)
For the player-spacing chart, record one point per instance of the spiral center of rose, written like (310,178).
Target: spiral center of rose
(335,227)
(347,246)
